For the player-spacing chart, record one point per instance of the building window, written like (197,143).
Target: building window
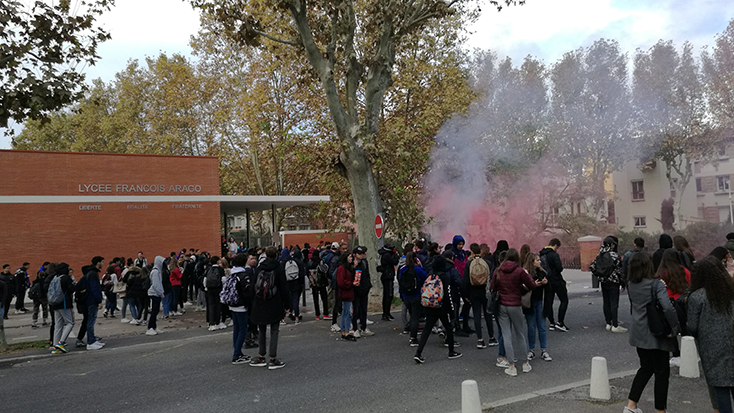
(699,186)
(638,191)
(722,183)
(640,222)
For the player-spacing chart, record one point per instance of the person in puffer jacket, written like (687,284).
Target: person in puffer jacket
(610,283)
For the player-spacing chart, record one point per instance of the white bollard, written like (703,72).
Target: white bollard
(470,397)
(599,379)
(689,358)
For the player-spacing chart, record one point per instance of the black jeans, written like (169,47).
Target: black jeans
(415,310)
(610,296)
(83,326)
(19,299)
(652,362)
(155,307)
(723,398)
(556,289)
(388,291)
(479,307)
(465,308)
(359,312)
(6,304)
(337,307)
(320,292)
(213,307)
(430,322)
(274,328)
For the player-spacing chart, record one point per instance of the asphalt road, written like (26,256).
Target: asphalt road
(190,371)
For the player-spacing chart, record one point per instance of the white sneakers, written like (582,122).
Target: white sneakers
(609,327)
(213,328)
(675,361)
(222,326)
(335,328)
(125,320)
(618,330)
(526,368)
(629,410)
(151,332)
(357,334)
(135,322)
(367,332)
(511,371)
(95,346)
(370,322)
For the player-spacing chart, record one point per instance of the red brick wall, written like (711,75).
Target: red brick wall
(589,250)
(314,239)
(62,232)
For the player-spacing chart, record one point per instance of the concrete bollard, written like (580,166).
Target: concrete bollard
(689,358)
(599,379)
(470,397)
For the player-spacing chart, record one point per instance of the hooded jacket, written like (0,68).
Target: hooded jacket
(365,283)
(388,260)
(296,285)
(345,281)
(502,245)
(94,293)
(617,275)
(134,282)
(459,254)
(271,311)
(665,241)
(555,267)
(420,274)
(509,281)
(156,282)
(285,255)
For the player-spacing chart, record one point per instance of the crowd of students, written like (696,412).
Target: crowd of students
(512,290)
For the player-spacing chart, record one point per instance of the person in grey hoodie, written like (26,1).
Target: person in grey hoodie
(155,293)
(653,351)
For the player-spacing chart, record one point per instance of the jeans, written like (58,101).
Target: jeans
(166,301)
(111,304)
(83,325)
(513,328)
(652,362)
(388,292)
(430,322)
(37,305)
(295,297)
(125,303)
(346,320)
(134,307)
(91,320)
(465,308)
(20,299)
(155,307)
(320,292)
(556,289)
(610,296)
(174,301)
(360,312)
(274,328)
(214,307)
(413,304)
(479,307)
(536,321)
(239,331)
(723,398)
(64,323)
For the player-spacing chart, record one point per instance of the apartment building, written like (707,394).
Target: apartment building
(640,188)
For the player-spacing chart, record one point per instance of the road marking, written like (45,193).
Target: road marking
(23,338)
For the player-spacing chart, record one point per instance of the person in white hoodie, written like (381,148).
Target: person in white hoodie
(155,293)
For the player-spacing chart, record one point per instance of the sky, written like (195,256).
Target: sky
(541,28)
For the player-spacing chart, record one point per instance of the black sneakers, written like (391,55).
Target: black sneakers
(561,327)
(414,342)
(493,342)
(275,364)
(419,359)
(454,355)
(259,362)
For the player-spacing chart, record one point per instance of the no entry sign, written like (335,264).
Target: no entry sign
(379,224)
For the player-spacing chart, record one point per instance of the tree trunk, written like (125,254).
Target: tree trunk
(367,204)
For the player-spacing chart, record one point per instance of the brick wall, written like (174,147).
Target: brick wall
(711,214)
(708,184)
(74,232)
(314,239)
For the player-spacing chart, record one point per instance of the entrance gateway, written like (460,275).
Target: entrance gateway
(68,206)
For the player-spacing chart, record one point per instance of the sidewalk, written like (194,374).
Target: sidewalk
(684,396)
(18,327)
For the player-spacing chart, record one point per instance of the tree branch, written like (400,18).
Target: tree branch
(275,39)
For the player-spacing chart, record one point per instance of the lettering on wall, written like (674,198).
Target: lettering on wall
(139,188)
(186,206)
(137,207)
(90,207)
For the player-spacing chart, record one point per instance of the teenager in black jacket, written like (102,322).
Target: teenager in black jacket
(434,314)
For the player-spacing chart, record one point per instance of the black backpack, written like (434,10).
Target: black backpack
(81,290)
(604,266)
(265,287)
(213,278)
(35,293)
(408,282)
